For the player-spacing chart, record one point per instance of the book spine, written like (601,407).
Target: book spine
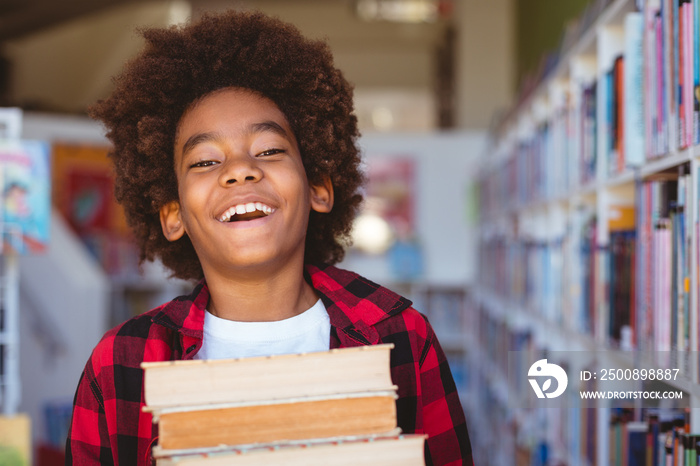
(670,68)
(689,67)
(620,71)
(609,124)
(676,74)
(662,128)
(679,41)
(696,71)
(634,90)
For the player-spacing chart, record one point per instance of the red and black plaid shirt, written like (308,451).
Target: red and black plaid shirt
(109,427)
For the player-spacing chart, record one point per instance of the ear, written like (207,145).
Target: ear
(322,196)
(170,221)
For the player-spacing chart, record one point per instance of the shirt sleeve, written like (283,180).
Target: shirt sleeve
(444,422)
(88,437)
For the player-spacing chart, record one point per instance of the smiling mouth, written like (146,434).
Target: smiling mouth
(244,212)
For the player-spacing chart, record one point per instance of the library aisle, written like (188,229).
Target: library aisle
(557,256)
(588,240)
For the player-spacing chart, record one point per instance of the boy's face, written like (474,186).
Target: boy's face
(244,199)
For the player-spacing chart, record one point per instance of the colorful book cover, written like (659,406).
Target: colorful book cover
(26,206)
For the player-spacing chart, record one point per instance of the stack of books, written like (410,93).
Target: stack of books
(328,408)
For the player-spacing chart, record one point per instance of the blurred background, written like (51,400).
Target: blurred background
(430,76)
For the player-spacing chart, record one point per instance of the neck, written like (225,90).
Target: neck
(260,297)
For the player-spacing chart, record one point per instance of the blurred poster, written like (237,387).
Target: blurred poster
(390,211)
(391,192)
(83,191)
(25,178)
(89,201)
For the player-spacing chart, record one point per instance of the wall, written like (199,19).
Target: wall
(64,296)
(486,60)
(539,28)
(392,66)
(63,304)
(68,67)
(445,164)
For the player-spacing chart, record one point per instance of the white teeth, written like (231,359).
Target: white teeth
(245,208)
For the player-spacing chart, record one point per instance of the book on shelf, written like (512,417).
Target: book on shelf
(589,425)
(621,256)
(634,90)
(590,256)
(658,438)
(695,89)
(588,145)
(672,60)
(630,287)
(687,71)
(622,329)
(618,149)
(635,439)
(665,252)
(617,434)
(656,115)
(221,407)
(681,65)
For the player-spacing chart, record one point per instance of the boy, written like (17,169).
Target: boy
(236,163)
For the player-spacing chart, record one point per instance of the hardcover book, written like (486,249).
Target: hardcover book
(333,407)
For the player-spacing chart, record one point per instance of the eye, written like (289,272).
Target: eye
(203,164)
(268,152)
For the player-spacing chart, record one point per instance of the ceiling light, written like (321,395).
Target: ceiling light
(372,234)
(382,118)
(399,11)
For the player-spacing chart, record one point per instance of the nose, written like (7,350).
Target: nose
(240,170)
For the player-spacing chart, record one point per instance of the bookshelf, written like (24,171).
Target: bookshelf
(447,308)
(588,236)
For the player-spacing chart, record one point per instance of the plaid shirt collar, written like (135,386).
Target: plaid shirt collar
(354,305)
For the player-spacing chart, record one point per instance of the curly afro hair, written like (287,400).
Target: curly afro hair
(179,66)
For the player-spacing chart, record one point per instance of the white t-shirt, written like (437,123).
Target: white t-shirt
(303,333)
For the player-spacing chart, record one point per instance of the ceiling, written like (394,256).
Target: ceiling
(19,18)
(60,55)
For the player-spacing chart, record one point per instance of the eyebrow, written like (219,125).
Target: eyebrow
(266,126)
(255,128)
(197,139)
